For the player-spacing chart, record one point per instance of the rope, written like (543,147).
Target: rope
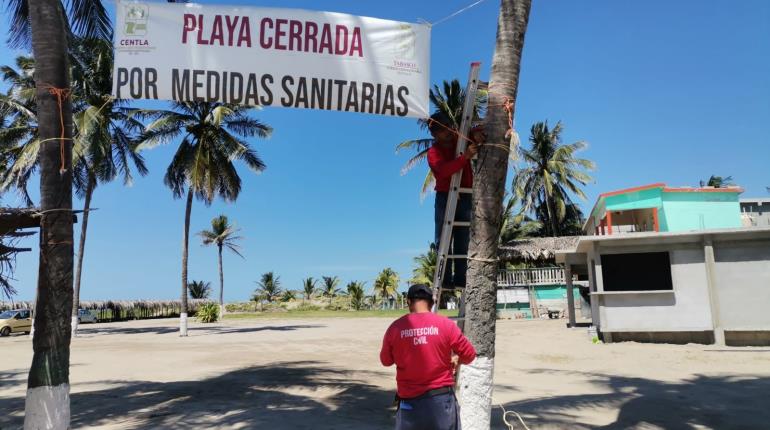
(484,260)
(505,418)
(452,15)
(60,94)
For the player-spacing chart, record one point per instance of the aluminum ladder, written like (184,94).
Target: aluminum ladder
(442,253)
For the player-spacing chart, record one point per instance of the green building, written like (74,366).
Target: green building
(657,207)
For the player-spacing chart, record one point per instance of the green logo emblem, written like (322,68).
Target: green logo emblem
(136,15)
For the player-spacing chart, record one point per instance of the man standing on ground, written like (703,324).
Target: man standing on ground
(444,163)
(421,345)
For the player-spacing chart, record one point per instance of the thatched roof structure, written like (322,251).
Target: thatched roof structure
(536,249)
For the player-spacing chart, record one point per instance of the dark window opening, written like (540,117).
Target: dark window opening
(644,271)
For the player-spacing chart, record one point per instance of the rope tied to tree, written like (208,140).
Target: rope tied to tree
(61,94)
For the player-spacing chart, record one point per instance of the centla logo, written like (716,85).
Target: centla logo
(136,20)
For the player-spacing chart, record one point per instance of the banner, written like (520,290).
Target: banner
(271,57)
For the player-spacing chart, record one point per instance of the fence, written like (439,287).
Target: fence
(109,311)
(525,277)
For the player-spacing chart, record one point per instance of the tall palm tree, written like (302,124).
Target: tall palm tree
(269,287)
(203,166)
(308,288)
(386,285)
(551,171)
(488,193)
(356,294)
(105,144)
(199,289)
(330,289)
(47,400)
(223,235)
(424,267)
(449,99)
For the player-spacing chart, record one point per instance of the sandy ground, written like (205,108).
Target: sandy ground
(325,374)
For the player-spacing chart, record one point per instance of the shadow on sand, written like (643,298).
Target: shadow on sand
(724,402)
(290,395)
(192,331)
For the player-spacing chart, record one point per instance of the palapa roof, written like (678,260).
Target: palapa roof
(536,248)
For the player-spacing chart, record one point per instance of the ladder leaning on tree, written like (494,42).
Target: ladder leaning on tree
(453,196)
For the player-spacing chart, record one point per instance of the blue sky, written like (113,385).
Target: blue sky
(662,92)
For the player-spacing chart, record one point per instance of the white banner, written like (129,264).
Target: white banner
(271,57)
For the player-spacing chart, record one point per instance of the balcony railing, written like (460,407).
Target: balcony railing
(525,277)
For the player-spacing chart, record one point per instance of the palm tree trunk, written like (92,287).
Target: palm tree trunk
(47,404)
(81,250)
(551,215)
(185,245)
(475,380)
(221,287)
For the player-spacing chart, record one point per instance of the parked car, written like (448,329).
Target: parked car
(16,321)
(86,316)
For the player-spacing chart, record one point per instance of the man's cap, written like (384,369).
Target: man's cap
(420,291)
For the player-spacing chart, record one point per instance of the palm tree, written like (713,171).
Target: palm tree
(386,285)
(48,381)
(356,294)
(308,288)
(105,145)
(288,296)
(269,287)
(425,267)
(448,99)
(718,181)
(517,225)
(203,165)
(199,289)
(488,194)
(330,289)
(87,18)
(19,139)
(551,171)
(223,235)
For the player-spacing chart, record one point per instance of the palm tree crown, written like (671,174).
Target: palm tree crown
(330,287)
(551,171)
(269,287)
(309,287)
(199,289)
(222,234)
(386,284)
(425,267)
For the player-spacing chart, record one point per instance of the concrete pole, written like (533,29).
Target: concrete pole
(570,295)
(708,252)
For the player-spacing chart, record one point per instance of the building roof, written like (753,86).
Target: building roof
(584,243)
(536,249)
(665,188)
(755,200)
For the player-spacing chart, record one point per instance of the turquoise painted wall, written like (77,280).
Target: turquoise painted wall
(700,210)
(637,200)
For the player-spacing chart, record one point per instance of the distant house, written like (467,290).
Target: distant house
(755,212)
(660,208)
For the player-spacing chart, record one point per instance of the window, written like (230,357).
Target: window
(637,272)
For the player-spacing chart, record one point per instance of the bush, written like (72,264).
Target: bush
(208,313)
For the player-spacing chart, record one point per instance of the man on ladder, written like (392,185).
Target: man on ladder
(444,162)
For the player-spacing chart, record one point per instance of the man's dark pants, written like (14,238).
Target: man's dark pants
(460,237)
(430,413)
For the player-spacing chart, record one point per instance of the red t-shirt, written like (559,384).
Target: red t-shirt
(421,346)
(443,163)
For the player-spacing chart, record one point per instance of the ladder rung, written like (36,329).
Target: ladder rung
(461,224)
(456,256)
(465,190)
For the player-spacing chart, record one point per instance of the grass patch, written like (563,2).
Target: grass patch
(323,313)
